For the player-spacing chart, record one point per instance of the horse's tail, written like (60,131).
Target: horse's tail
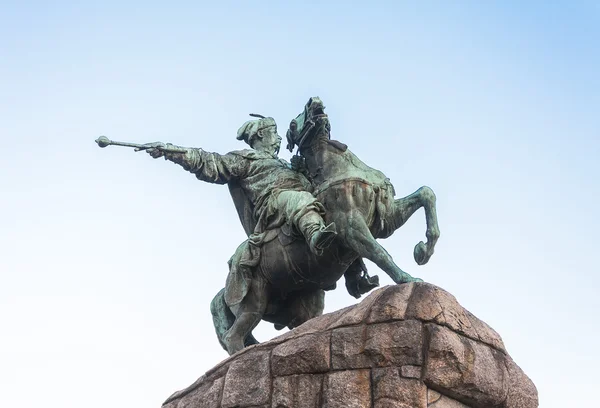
(223,319)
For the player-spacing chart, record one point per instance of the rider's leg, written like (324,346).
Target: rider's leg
(358,237)
(318,235)
(248,314)
(402,210)
(301,209)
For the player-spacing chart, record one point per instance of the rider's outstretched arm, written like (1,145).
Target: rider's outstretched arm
(210,167)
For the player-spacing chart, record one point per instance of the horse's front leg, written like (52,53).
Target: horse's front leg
(248,313)
(405,207)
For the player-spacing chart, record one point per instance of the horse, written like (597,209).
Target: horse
(288,284)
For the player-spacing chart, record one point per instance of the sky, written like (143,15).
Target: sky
(109,259)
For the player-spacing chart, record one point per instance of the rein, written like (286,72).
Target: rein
(308,127)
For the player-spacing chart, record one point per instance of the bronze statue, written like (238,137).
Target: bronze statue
(307,226)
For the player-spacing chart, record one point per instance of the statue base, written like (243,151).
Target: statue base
(409,345)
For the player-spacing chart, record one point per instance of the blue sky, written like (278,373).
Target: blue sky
(109,259)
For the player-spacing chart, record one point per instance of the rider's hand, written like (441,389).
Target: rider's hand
(155,149)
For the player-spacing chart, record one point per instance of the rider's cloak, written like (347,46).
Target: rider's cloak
(262,226)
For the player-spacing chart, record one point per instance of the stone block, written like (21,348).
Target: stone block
(392,304)
(208,395)
(471,371)
(396,343)
(302,355)
(410,371)
(485,333)
(379,345)
(248,381)
(347,348)
(522,393)
(391,390)
(359,313)
(437,400)
(347,389)
(317,324)
(297,391)
(432,304)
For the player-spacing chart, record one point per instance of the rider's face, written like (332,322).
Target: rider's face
(270,141)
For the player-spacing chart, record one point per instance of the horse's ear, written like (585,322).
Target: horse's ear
(292,135)
(290,139)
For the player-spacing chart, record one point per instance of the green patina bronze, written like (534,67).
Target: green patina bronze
(308,222)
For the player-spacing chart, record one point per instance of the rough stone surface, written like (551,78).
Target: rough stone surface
(347,389)
(392,304)
(206,396)
(321,323)
(521,390)
(410,371)
(485,333)
(409,345)
(437,400)
(297,391)
(391,390)
(430,303)
(307,354)
(248,381)
(360,312)
(465,368)
(396,343)
(347,348)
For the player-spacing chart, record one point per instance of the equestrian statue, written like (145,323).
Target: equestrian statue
(308,222)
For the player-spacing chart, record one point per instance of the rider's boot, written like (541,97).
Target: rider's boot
(318,235)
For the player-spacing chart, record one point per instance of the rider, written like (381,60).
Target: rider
(269,196)
(267,192)
(275,192)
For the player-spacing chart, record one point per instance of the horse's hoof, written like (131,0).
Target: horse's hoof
(232,345)
(420,253)
(407,278)
(410,280)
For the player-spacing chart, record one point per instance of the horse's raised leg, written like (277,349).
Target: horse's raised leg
(247,315)
(405,207)
(357,236)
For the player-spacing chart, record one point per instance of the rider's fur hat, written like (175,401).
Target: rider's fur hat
(250,129)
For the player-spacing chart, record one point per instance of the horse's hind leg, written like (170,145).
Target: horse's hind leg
(304,306)
(247,315)
(404,208)
(358,237)
(298,308)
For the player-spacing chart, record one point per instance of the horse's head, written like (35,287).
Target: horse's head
(312,122)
